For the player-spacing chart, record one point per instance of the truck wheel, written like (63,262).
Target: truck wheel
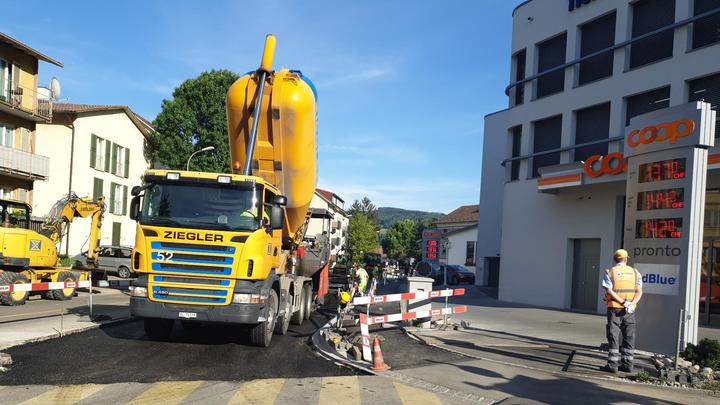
(308,300)
(299,316)
(283,322)
(124,272)
(17,297)
(66,293)
(158,329)
(261,334)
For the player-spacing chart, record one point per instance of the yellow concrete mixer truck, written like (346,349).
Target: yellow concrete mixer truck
(228,248)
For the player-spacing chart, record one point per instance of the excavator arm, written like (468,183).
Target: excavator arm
(66,210)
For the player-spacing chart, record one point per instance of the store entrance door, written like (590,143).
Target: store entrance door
(710,283)
(586,267)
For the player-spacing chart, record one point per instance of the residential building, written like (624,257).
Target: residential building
(20,111)
(459,246)
(329,214)
(578,76)
(94,150)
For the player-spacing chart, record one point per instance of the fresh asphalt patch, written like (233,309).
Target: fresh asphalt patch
(122,353)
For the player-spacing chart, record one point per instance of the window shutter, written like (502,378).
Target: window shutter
(112,198)
(93,149)
(97,188)
(127,163)
(107,155)
(113,161)
(125,198)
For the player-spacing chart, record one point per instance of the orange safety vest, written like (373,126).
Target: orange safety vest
(624,280)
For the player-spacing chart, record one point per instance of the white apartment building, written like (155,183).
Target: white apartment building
(580,71)
(329,214)
(94,150)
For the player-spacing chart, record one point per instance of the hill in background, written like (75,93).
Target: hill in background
(388,215)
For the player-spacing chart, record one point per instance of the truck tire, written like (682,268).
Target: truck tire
(262,333)
(158,329)
(66,293)
(308,300)
(299,316)
(14,298)
(283,321)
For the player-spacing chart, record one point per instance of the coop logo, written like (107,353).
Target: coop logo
(658,279)
(667,131)
(611,164)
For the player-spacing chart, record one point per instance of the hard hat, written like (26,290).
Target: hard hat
(620,254)
(344,297)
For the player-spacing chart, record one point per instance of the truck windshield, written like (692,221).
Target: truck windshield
(202,206)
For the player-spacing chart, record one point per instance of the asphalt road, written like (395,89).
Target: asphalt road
(122,353)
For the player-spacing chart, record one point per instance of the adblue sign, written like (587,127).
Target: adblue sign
(669,133)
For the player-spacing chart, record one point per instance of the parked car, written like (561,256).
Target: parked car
(457,274)
(114,260)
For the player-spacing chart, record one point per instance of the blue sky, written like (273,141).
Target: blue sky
(403,85)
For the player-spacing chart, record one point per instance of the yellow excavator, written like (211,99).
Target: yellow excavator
(28,256)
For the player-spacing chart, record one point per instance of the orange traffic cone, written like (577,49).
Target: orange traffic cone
(378,361)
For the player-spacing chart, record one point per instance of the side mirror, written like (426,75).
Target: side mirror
(280,200)
(135,208)
(135,190)
(277,217)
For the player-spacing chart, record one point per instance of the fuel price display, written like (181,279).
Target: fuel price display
(672,169)
(431,250)
(659,228)
(672,198)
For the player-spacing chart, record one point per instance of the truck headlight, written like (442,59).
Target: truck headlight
(138,291)
(248,299)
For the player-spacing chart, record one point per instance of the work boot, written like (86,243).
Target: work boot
(609,369)
(625,368)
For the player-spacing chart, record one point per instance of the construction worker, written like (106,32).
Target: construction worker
(361,277)
(623,290)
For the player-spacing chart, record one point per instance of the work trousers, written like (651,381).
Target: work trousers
(620,328)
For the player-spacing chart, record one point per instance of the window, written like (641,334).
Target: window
(551,53)
(7,136)
(516,133)
(546,136)
(592,124)
(707,89)
(97,188)
(470,253)
(99,153)
(646,102)
(118,199)
(6,192)
(120,160)
(6,80)
(21,194)
(520,75)
(25,140)
(706,31)
(648,16)
(595,36)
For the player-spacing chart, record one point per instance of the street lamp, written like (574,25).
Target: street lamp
(205,149)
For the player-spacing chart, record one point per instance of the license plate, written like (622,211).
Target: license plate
(188,315)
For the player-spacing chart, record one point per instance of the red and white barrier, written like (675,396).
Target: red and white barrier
(9,288)
(420,295)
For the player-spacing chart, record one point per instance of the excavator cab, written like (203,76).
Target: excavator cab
(14,214)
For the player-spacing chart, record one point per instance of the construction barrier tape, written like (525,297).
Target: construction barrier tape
(44,286)
(420,295)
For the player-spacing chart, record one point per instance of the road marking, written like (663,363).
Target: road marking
(415,396)
(258,392)
(166,393)
(339,390)
(65,395)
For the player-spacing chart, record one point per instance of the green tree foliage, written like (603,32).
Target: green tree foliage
(387,216)
(362,236)
(365,207)
(399,240)
(193,119)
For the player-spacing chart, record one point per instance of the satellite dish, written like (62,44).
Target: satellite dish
(54,88)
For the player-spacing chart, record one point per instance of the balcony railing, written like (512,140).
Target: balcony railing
(26,100)
(24,164)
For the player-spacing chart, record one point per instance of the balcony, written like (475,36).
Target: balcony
(24,102)
(25,165)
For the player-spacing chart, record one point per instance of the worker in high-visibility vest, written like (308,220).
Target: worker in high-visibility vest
(361,275)
(623,290)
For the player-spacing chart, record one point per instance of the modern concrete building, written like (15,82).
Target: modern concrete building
(329,214)
(580,71)
(93,150)
(21,164)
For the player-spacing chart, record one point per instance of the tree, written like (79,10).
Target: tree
(400,239)
(365,207)
(362,236)
(193,119)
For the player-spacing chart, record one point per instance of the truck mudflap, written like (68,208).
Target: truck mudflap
(250,314)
